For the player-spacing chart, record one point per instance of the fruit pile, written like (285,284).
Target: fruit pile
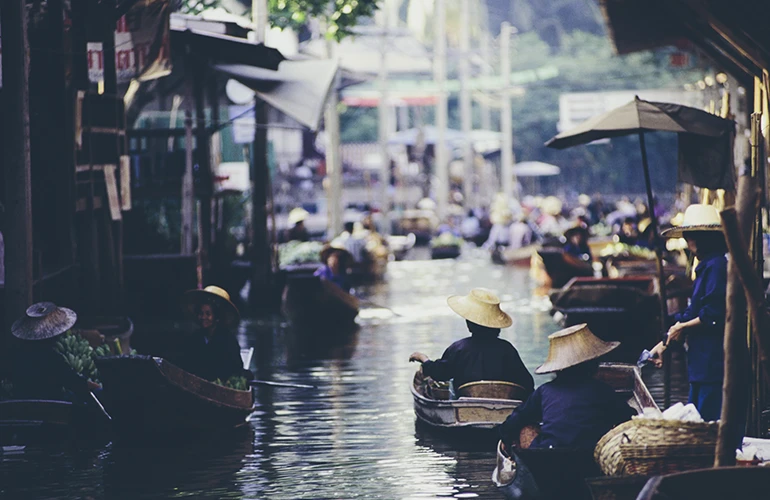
(78,354)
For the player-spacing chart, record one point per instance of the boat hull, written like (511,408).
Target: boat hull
(308,300)
(148,394)
(463,413)
(45,422)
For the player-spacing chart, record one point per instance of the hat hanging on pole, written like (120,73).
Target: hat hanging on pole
(481,307)
(43,320)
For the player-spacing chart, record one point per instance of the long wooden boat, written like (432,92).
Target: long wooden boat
(44,422)
(520,257)
(481,405)
(562,473)
(309,300)
(445,252)
(149,394)
(562,267)
(721,482)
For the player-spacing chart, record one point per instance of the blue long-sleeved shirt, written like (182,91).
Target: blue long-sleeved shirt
(705,354)
(572,413)
(325,273)
(480,357)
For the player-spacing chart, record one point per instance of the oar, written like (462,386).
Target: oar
(377,306)
(281,384)
(99,405)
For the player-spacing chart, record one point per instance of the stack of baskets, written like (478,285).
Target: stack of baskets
(645,446)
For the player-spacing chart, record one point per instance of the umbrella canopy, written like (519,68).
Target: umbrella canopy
(643,116)
(535,169)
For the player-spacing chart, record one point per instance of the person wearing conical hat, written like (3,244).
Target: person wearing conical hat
(297,230)
(575,409)
(483,355)
(212,351)
(702,323)
(336,262)
(38,370)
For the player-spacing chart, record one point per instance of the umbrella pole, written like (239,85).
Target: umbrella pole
(659,262)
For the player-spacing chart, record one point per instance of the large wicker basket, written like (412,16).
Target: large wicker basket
(645,446)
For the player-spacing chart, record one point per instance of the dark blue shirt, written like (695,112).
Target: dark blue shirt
(572,413)
(39,372)
(210,358)
(705,353)
(480,357)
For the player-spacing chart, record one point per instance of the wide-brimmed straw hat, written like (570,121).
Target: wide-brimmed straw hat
(481,307)
(697,217)
(335,247)
(297,215)
(212,295)
(572,346)
(43,320)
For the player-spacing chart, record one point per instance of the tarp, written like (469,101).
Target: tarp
(298,88)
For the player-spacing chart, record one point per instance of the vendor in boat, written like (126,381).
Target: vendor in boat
(39,371)
(702,323)
(577,242)
(575,409)
(212,350)
(296,220)
(336,262)
(483,355)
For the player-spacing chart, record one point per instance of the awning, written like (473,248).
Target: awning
(298,88)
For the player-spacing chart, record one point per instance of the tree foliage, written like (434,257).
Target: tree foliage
(337,16)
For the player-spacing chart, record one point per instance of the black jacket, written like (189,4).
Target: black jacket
(480,357)
(39,372)
(215,357)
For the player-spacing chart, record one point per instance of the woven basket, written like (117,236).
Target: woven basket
(650,447)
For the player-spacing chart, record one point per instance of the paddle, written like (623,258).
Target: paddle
(281,384)
(377,306)
(99,405)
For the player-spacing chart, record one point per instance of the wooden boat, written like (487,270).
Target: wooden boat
(400,245)
(39,421)
(623,309)
(521,257)
(533,471)
(562,267)
(722,482)
(309,300)
(481,405)
(445,252)
(151,395)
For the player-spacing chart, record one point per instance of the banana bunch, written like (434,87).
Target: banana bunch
(78,354)
(102,351)
(234,382)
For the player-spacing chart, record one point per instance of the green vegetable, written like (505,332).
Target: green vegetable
(234,382)
(446,240)
(299,252)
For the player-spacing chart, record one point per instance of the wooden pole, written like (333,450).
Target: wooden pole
(466,109)
(16,162)
(506,120)
(441,166)
(202,145)
(261,278)
(333,161)
(659,264)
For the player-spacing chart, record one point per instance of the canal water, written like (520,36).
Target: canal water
(355,436)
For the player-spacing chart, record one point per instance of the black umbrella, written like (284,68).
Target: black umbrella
(638,117)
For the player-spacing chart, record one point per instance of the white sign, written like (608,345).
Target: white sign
(242,118)
(95,56)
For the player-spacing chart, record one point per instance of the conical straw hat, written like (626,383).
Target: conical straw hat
(481,307)
(572,346)
(697,217)
(44,320)
(297,215)
(215,296)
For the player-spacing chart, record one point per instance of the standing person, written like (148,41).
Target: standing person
(212,351)
(520,234)
(39,371)
(483,355)
(470,226)
(702,323)
(575,409)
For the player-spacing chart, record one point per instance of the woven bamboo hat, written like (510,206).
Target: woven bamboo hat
(212,295)
(572,346)
(697,217)
(481,307)
(43,320)
(336,247)
(297,215)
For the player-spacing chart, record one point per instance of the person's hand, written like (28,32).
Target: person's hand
(418,356)
(657,354)
(92,386)
(675,332)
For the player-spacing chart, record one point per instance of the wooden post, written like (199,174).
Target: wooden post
(261,278)
(16,162)
(204,162)
(440,163)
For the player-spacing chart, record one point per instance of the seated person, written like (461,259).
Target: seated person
(39,371)
(483,355)
(575,409)
(296,220)
(212,351)
(336,262)
(628,233)
(577,242)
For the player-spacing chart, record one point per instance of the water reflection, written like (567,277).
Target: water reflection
(352,437)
